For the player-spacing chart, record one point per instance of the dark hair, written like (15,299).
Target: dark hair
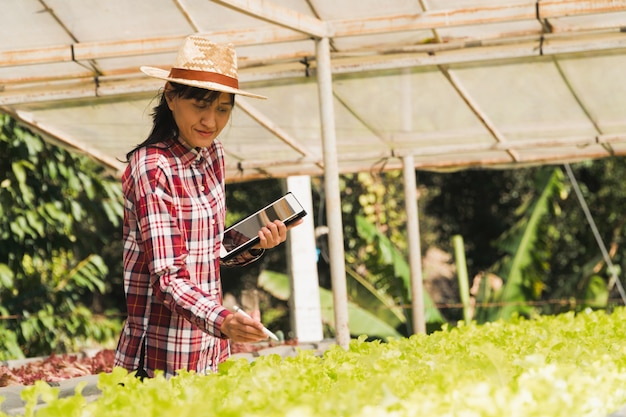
(163,124)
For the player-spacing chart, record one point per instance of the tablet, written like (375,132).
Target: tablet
(245,233)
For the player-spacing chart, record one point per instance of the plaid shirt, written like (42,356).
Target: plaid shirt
(174,212)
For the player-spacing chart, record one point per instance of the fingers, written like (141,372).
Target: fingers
(240,328)
(273,234)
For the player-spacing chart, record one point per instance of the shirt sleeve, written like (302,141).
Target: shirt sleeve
(244,258)
(166,249)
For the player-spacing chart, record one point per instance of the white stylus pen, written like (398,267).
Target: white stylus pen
(265,329)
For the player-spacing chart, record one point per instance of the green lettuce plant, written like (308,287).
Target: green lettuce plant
(558,366)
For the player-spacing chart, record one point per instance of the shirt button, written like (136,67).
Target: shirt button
(202,188)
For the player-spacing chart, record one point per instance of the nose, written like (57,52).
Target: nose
(208,118)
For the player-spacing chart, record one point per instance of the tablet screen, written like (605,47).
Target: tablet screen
(244,233)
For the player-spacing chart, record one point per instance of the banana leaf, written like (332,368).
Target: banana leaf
(520,242)
(376,300)
(392,256)
(361,321)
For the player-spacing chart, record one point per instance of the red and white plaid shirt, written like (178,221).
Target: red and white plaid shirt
(174,213)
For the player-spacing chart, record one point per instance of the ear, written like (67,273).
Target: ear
(168,97)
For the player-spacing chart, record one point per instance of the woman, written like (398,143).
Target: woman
(174,212)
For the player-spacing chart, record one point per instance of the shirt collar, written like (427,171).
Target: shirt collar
(185,152)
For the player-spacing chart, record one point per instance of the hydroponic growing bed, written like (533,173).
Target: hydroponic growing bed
(566,365)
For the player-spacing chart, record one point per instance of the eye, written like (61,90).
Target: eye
(223,109)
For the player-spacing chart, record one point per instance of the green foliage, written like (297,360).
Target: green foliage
(389,255)
(522,225)
(60,215)
(275,283)
(576,255)
(379,198)
(361,320)
(9,345)
(60,239)
(596,293)
(378,275)
(558,366)
(558,254)
(522,268)
(477,204)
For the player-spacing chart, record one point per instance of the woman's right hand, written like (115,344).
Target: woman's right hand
(240,328)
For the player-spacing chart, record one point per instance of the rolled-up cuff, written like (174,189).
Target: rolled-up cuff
(217,328)
(245,258)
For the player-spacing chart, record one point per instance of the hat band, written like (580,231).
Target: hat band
(213,77)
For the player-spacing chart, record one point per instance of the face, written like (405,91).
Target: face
(199,121)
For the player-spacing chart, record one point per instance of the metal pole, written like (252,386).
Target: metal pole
(415,251)
(333,199)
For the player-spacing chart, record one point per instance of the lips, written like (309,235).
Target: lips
(204,133)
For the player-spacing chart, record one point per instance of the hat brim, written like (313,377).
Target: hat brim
(207,85)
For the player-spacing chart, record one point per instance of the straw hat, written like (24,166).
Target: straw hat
(203,64)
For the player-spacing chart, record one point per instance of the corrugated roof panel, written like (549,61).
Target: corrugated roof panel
(354,136)
(600,84)
(411,108)
(95,20)
(209,16)
(458,4)
(245,135)
(334,10)
(526,100)
(455,86)
(294,107)
(48,72)
(25,24)
(282,51)
(112,128)
(588,22)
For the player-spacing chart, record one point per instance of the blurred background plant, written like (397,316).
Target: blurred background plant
(529,248)
(60,227)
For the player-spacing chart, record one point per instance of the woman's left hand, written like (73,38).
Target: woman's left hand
(273,234)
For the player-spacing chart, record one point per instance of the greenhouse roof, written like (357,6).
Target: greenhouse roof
(499,84)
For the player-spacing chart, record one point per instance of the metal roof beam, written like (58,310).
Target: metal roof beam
(10,58)
(504,163)
(446,18)
(442,150)
(525,145)
(566,149)
(306,26)
(435,19)
(412,56)
(49,90)
(133,47)
(478,54)
(560,8)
